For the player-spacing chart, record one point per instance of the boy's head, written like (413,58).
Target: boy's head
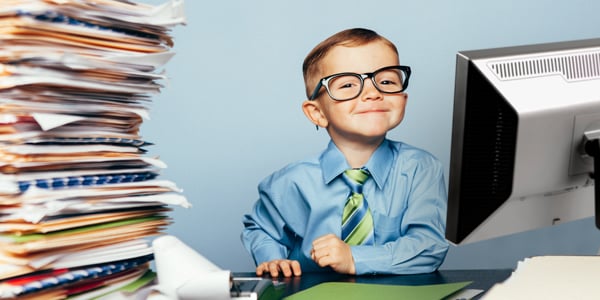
(312,66)
(355,86)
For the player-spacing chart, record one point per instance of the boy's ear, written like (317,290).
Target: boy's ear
(313,112)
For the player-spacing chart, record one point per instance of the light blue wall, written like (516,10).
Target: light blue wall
(230,114)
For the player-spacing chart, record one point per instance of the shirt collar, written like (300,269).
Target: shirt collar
(333,163)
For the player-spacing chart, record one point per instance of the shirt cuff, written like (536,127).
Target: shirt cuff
(370,259)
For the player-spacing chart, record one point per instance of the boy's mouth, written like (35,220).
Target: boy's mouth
(372,110)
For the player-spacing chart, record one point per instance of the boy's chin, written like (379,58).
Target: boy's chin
(374,134)
(377,130)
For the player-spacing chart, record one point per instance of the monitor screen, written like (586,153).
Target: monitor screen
(521,118)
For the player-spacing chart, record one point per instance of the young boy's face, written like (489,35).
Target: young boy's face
(372,114)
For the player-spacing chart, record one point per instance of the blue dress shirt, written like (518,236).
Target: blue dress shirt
(303,201)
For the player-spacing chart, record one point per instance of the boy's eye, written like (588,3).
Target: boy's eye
(387,82)
(344,82)
(389,78)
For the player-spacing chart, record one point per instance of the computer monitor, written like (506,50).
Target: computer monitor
(522,118)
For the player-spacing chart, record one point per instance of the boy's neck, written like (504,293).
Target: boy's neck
(358,154)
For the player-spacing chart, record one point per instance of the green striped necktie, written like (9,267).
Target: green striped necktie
(357,221)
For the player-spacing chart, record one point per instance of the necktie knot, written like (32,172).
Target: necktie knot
(355,178)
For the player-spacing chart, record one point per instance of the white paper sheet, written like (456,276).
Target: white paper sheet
(551,277)
(185,274)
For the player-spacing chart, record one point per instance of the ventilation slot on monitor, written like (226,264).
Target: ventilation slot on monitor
(572,67)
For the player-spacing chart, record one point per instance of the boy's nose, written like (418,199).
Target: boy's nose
(370,92)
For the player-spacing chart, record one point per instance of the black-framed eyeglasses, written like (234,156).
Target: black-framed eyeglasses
(347,86)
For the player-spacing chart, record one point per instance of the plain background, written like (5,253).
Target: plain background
(230,113)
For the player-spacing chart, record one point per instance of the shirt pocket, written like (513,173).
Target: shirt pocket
(387,228)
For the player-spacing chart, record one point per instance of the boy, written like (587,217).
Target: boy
(395,195)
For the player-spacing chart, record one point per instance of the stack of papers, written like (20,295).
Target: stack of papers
(551,277)
(78,194)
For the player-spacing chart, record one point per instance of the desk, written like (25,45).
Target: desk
(482,279)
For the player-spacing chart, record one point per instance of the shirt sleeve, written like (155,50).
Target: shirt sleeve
(264,234)
(421,247)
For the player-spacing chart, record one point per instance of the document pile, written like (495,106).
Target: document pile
(78,193)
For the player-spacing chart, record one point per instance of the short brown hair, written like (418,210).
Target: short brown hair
(349,37)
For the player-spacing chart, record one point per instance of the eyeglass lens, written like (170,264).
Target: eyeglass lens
(348,86)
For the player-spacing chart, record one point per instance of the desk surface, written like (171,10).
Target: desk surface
(482,279)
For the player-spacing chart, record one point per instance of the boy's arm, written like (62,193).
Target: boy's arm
(422,246)
(259,236)
(265,236)
(269,256)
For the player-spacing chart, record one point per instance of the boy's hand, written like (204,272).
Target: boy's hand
(330,250)
(285,266)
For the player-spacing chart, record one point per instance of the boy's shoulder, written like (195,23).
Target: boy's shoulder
(300,168)
(407,152)
(408,149)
